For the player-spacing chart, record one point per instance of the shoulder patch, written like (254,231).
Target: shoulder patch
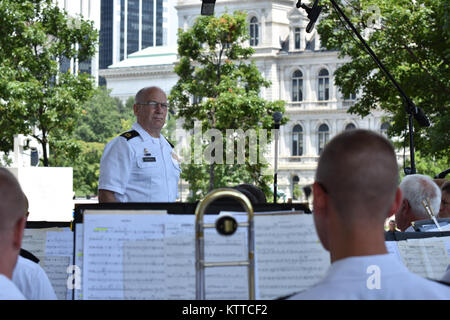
(130,134)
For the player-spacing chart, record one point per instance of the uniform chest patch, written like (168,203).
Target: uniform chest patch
(149,159)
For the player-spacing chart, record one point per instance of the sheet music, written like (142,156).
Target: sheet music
(55,267)
(34,241)
(103,262)
(59,242)
(78,293)
(54,248)
(179,248)
(226,283)
(446,240)
(116,259)
(289,255)
(143,269)
(425,257)
(392,248)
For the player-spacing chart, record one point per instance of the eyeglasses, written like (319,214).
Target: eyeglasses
(154,104)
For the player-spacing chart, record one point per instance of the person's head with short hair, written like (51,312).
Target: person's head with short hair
(13,213)
(255,194)
(415,189)
(150,108)
(355,190)
(392,225)
(444,210)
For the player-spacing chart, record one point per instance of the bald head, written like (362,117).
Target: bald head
(13,203)
(358,170)
(143,94)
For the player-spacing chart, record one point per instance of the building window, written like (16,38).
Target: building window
(384,128)
(297,141)
(351,96)
(254,32)
(297,86)
(324,85)
(324,135)
(297,38)
(350,126)
(296,192)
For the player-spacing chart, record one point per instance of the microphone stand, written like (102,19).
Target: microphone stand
(410,107)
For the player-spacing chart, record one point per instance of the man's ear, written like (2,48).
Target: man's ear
(320,198)
(18,233)
(398,203)
(135,109)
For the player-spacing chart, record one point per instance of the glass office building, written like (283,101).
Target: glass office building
(128,26)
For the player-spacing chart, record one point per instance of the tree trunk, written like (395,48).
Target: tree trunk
(45,155)
(44,148)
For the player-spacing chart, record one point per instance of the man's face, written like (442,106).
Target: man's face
(444,211)
(151,117)
(391,226)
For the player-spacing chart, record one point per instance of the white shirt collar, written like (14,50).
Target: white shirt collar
(355,267)
(144,134)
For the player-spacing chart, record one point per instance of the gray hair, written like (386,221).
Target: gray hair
(416,188)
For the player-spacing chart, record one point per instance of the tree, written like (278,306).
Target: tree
(412,39)
(35,35)
(102,118)
(430,166)
(219,87)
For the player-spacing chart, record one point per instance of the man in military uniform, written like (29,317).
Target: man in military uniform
(140,165)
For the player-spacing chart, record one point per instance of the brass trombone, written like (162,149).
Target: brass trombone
(200,263)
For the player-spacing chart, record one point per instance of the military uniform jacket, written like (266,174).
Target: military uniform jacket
(140,168)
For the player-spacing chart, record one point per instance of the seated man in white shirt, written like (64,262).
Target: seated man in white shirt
(416,188)
(354,192)
(32,280)
(13,211)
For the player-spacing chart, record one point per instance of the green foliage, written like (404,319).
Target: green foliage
(412,39)
(429,166)
(34,36)
(297,192)
(219,86)
(102,118)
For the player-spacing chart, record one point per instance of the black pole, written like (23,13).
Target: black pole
(411,145)
(410,107)
(277,116)
(275,181)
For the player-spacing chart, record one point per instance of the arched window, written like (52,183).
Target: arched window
(324,85)
(297,141)
(254,32)
(323,137)
(297,38)
(297,86)
(350,126)
(384,128)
